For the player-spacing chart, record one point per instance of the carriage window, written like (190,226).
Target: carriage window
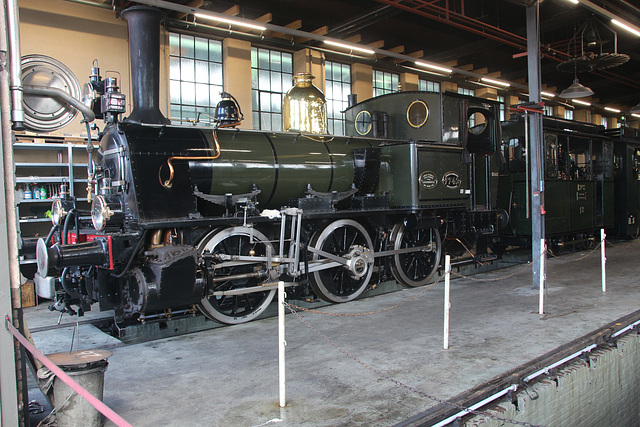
(363,122)
(516,155)
(579,160)
(597,164)
(607,154)
(417,113)
(551,156)
(635,162)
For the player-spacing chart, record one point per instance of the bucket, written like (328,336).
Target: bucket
(87,368)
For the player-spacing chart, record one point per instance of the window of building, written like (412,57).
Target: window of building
(195,77)
(384,82)
(568,114)
(471,122)
(428,86)
(465,91)
(271,75)
(548,110)
(338,88)
(603,121)
(503,112)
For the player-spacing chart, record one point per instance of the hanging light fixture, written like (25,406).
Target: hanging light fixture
(576,90)
(636,109)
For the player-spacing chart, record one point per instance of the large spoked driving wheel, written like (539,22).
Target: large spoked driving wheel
(350,266)
(415,267)
(237,297)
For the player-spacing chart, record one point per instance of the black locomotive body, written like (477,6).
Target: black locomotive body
(215,217)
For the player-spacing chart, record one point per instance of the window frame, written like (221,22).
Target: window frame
(266,103)
(195,82)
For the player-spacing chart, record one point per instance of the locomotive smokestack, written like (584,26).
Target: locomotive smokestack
(144,50)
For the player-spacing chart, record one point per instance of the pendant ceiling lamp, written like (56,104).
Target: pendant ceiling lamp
(636,109)
(576,90)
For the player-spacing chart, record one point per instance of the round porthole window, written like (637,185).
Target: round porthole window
(363,122)
(477,123)
(417,113)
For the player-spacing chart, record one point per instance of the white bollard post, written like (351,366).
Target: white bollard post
(447,304)
(542,276)
(281,343)
(603,260)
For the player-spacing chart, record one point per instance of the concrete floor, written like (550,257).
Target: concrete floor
(229,376)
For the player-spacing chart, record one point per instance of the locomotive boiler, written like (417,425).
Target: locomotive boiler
(215,217)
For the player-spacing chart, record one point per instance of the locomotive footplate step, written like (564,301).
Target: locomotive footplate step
(229,376)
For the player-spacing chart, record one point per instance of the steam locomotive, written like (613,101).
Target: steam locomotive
(215,217)
(185,217)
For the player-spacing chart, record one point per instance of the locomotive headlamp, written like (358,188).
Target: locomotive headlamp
(57,212)
(106,211)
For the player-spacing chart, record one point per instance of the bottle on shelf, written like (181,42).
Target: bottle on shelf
(19,193)
(35,191)
(27,192)
(43,193)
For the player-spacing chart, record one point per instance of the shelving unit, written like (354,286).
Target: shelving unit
(46,161)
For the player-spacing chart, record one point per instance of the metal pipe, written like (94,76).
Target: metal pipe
(91,3)
(281,345)
(546,370)
(447,301)
(526,162)
(543,249)
(10,388)
(53,92)
(603,260)
(474,407)
(7,155)
(15,71)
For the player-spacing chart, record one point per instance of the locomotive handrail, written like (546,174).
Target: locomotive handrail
(168,183)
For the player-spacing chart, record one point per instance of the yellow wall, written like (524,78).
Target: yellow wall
(75,35)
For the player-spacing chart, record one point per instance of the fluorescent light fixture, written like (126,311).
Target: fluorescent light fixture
(636,115)
(574,1)
(434,67)
(613,110)
(230,21)
(351,47)
(626,27)
(548,94)
(577,101)
(495,82)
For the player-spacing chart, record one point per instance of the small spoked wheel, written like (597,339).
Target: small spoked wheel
(344,281)
(236,295)
(415,267)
